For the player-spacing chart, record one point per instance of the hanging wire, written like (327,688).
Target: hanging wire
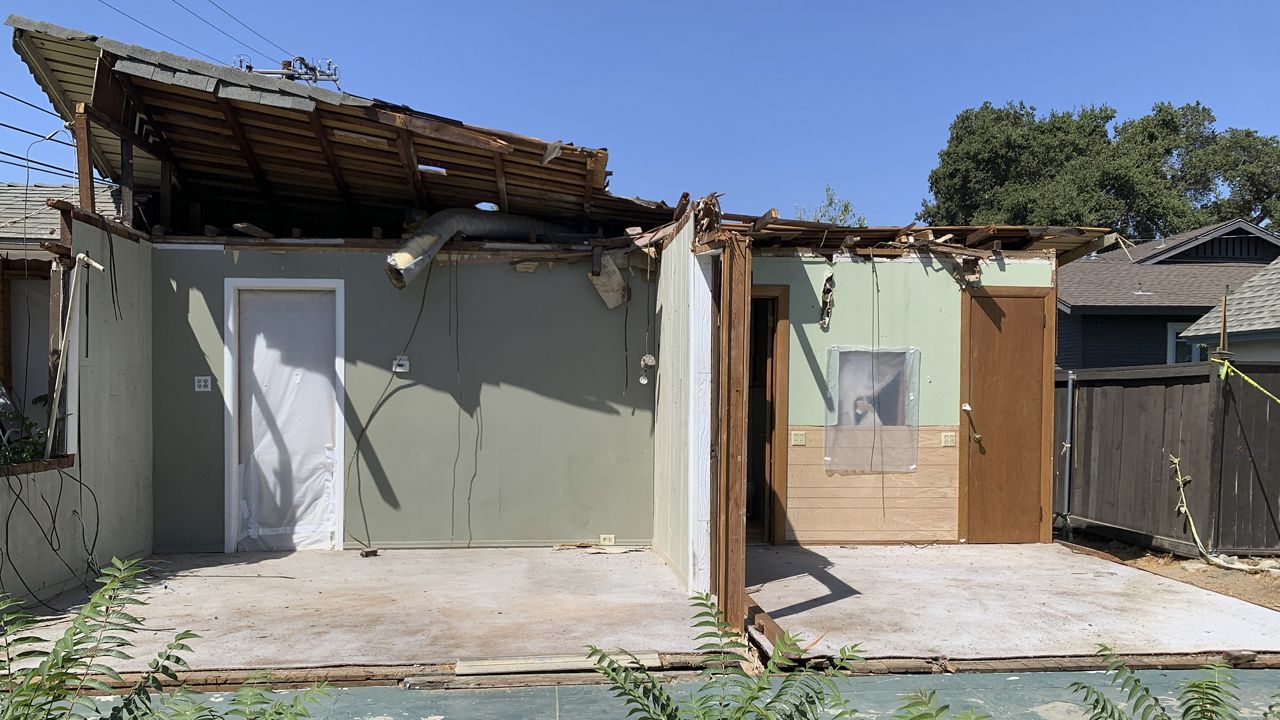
(250,29)
(33,133)
(162,34)
(233,38)
(30,104)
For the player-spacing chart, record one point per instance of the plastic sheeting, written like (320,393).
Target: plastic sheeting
(872,409)
(287,400)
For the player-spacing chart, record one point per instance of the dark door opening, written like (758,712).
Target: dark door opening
(760,413)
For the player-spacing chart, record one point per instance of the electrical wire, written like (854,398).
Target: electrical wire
(162,34)
(242,24)
(59,173)
(30,104)
(33,133)
(233,38)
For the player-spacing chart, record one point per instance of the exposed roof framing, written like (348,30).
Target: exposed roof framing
(316,149)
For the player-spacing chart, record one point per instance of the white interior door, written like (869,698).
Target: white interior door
(287,420)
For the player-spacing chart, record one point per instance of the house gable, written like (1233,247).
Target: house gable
(1236,241)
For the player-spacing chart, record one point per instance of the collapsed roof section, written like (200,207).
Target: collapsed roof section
(327,162)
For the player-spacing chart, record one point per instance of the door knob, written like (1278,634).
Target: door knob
(977,438)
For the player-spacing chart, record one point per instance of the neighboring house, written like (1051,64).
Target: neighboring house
(1127,306)
(272,389)
(1253,319)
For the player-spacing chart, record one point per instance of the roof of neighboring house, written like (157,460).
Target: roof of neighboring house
(1255,307)
(24,216)
(1141,274)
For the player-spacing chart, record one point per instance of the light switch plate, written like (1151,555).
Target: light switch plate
(607,539)
(204,383)
(799,438)
(948,439)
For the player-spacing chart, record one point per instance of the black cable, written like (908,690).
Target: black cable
(30,104)
(250,29)
(161,34)
(233,38)
(377,407)
(55,173)
(33,133)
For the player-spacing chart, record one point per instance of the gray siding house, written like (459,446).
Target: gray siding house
(1127,306)
(1253,319)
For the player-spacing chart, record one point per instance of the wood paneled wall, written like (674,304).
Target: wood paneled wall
(829,508)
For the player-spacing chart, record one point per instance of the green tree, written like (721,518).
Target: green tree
(834,210)
(1165,172)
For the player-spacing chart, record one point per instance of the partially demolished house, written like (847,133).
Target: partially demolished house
(332,322)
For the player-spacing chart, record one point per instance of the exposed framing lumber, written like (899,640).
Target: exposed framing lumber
(89,217)
(166,194)
(500,177)
(979,235)
(84,163)
(126,181)
(409,158)
(246,150)
(109,124)
(765,220)
(46,77)
(330,159)
(438,129)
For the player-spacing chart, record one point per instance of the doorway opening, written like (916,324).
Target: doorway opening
(767,416)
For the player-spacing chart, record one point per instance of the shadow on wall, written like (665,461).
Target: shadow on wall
(481,329)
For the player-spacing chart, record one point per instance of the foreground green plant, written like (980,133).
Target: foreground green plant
(780,690)
(1210,696)
(59,679)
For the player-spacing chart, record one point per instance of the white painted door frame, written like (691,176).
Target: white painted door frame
(231,394)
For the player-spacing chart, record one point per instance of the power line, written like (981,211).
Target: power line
(55,173)
(233,38)
(250,29)
(161,34)
(37,162)
(46,111)
(32,133)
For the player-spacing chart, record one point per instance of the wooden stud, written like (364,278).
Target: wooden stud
(1046,421)
(126,181)
(84,164)
(500,177)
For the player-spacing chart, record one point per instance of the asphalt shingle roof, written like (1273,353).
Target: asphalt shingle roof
(1254,307)
(25,217)
(1106,283)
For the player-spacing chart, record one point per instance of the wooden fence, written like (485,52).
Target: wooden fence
(1112,471)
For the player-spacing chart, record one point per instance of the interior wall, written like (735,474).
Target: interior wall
(891,303)
(520,422)
(29,346)
(682,428)
(111,404)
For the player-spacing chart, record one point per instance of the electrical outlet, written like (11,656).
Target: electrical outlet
(948,439)
(400,364)
(799,438)
(204,383)
(607,539)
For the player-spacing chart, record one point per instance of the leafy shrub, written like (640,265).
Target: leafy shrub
(59,679)
(23,442)
(1210,696)
(728,692)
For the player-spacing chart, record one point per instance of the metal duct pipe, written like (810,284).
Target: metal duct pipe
(416,254)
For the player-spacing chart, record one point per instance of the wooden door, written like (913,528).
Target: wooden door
(1006,415)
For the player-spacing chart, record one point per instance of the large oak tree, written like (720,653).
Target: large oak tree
(1162,173)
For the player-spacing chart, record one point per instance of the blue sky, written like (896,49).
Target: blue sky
(764,102)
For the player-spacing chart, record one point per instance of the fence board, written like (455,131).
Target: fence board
(1248,513)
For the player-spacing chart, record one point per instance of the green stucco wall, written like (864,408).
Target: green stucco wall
(521,421)
(906,302)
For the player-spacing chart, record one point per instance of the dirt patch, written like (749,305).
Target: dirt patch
(1260,589)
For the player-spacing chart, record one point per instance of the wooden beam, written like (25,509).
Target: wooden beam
(92,218)
(409,159)
(764,220)
(500,177)
(681,206)
(253,230)
(126,181)
(84,164)
(979,235)
(237,132)
(332,160)
(439,130)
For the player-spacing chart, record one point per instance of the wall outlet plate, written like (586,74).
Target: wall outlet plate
(204,383)
(948,439)
(799,438)
(607,539)
(400,364)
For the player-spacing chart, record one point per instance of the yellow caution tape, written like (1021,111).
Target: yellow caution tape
(1228,370)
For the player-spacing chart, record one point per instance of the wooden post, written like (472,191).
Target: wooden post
(84,164)
(126,181)
(732,361)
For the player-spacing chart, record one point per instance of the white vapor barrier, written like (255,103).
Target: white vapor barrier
(873,409)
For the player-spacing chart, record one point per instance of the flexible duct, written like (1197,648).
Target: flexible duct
(416,254)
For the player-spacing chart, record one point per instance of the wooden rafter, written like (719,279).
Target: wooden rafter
(331,159)
(409,159)
(500,177)
(439,130)
(246,151)
(46,77)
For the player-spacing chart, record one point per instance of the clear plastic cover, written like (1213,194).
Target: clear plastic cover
(873,403)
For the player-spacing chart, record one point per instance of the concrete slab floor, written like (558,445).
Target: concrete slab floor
(408,607)
(993,601)
(1036,696)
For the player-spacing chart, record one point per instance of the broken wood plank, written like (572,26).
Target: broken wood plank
(764,220)
(91,218)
